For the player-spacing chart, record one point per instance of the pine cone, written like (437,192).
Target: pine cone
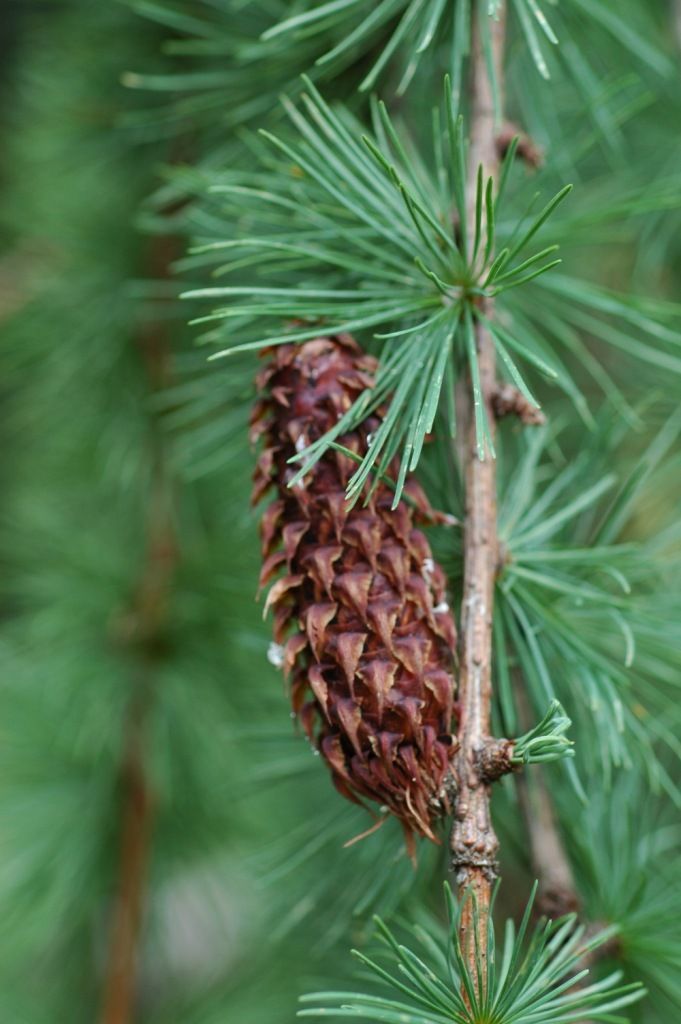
(360,608)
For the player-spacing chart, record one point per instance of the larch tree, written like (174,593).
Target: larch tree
(428,251)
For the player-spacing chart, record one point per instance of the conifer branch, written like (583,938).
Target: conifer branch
(473,840)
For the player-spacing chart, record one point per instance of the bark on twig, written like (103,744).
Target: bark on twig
(473,840)
(494,760)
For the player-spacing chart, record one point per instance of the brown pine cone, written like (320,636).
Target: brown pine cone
(360,608)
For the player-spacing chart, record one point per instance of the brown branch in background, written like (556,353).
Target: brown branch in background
(142,630)
(135,844)
(557,893)
(473,840)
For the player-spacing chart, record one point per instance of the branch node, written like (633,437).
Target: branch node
(494,759)
(473,862)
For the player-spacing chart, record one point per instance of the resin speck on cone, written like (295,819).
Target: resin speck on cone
(359,603)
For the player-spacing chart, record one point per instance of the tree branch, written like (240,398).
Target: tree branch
(473,840)
(143,631)
(135,843)
(557,894)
